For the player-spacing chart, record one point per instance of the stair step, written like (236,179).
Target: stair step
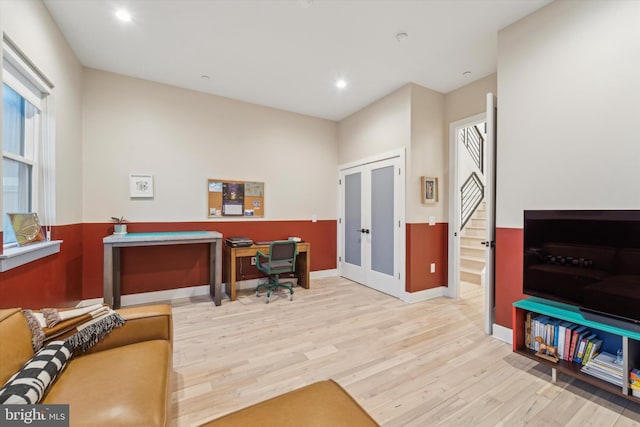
(470,277)
(472,264)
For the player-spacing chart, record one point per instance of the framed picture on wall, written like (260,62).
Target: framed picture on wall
(429,190)
(140,185)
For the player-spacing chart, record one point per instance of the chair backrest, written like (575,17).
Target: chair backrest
(283,250)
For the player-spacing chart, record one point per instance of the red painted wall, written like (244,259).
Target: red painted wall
(75,273)
(54,281)
(508,272)
(169,267)
(426,244)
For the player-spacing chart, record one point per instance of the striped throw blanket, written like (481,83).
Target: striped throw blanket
(81,327)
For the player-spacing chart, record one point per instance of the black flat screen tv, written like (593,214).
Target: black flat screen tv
(586,258)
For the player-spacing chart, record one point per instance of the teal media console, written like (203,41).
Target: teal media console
(614,339)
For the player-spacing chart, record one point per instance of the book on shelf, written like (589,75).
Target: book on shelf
(567,343)
(605,367)
(583,346)
(527,330)
(603,375)
(577,333)
(592,349)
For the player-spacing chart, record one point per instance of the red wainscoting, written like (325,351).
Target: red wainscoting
(75,273)
(158,268)
(508,272)
(425,245)
(53,281)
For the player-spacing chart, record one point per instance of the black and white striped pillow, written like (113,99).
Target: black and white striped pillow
(28,385)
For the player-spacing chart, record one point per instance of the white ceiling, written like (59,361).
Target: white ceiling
(287,54)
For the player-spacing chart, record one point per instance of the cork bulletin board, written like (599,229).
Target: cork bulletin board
(235,198)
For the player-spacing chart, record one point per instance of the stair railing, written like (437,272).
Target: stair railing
(474,142)
(471,195)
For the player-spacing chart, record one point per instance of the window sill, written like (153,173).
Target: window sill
(15,257)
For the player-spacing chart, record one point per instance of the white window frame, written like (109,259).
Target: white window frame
(29,82)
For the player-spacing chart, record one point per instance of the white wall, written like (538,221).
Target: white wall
(428,154)
(29,25)
(183,138)
(568,108)
(380,127)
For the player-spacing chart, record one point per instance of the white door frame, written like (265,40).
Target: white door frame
(400,246)
(453,290)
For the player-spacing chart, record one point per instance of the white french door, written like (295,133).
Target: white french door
(371,234)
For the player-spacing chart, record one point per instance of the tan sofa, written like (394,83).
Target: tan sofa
(122,381)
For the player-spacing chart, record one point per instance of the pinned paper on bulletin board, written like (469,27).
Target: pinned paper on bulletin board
(235,198)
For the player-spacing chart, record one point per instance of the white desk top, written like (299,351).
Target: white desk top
(160,237)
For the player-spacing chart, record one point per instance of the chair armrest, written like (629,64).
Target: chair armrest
(261,255)
(144,323)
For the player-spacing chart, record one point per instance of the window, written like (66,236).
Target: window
(26,150)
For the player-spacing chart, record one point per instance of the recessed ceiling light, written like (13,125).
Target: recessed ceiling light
(205,77)
(467,74)
(123,15)
(341,83)
(400,37)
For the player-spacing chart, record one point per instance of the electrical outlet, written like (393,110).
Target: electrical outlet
(433,267)
(253,260)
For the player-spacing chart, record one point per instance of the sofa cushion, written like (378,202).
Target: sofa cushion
(13,330)
(126,385)
(29,384)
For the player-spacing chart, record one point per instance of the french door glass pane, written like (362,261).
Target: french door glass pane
(353,218)
(382,242)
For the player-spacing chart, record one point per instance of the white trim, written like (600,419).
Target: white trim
(427,294)
(17,256)
(372,159)
(453,273)
(502,333)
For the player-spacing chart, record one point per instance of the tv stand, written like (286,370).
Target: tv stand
(625,338)
(609,320)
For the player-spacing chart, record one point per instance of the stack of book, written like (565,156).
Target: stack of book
(634,382)
(573,343)
(606,367)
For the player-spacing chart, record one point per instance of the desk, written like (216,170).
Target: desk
(113,243)
(303,264)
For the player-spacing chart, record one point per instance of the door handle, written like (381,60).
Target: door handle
(365,230)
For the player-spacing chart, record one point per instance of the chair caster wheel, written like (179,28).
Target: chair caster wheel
(291,297)
(267,301)
(257,294)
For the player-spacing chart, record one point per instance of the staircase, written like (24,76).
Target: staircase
(472,252)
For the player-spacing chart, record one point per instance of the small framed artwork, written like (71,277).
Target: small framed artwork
(140,185)
(429,190)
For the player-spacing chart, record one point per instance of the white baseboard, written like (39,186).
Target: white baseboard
(427,294)
(174,294)
(502,333)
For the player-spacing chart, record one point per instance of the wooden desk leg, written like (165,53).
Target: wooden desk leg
(215,284)
(107,275)
(307,282)
(232,274)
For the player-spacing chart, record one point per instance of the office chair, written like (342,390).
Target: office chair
(281,259)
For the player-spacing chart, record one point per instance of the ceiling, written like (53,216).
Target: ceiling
(288,54)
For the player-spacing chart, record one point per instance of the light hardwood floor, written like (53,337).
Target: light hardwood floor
(419,364)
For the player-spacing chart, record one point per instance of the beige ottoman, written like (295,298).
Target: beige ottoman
(323,403)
